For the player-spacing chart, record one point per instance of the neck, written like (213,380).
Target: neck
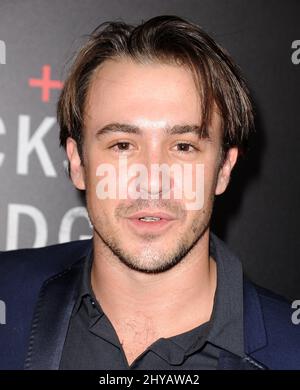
(172,302)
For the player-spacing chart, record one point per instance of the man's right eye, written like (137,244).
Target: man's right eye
(120,146)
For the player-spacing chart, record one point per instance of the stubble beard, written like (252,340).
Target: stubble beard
(151,260)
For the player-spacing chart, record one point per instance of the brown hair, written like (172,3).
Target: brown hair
(168,39)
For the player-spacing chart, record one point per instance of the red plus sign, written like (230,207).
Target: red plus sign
(45,83)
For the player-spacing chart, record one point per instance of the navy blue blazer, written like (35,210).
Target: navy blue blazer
(39,288)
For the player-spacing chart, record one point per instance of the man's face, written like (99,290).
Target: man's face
(153,98)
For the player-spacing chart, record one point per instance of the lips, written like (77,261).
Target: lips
(156,214)
(138,225)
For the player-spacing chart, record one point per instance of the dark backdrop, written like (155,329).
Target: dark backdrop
(258,216)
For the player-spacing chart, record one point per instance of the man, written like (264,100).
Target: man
(154,288)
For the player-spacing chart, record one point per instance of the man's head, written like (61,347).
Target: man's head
(140,94)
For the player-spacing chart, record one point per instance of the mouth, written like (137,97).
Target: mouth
(144,222)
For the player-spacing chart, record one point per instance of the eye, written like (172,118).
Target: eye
(184,147)
(120,147)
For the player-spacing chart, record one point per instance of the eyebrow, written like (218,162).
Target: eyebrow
(174,130)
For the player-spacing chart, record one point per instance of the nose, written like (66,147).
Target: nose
(156,181)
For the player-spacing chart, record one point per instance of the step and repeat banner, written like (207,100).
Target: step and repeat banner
(258,216)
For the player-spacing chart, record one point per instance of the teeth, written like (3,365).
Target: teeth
(149,219)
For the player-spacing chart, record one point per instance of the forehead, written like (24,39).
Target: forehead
(122,90)
(125,90)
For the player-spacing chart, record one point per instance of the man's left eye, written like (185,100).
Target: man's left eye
(185,147)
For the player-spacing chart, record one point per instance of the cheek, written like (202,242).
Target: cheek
(211,172)
(210,180)
(200,190)
(92,163)
(101,211)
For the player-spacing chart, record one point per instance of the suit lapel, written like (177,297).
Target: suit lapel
(229,361)
(254,325)
(51,319)
(254,334)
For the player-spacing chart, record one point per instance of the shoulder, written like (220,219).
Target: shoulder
(277,310)
(23,271)
(43,261)
(278,314)
(22,274)
(282,333)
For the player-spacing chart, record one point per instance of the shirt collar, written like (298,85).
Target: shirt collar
(225,328)
(85,287)
(227,324)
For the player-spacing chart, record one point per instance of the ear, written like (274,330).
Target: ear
(76,168)
(225,170)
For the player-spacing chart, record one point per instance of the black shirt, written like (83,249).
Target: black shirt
(93,344)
